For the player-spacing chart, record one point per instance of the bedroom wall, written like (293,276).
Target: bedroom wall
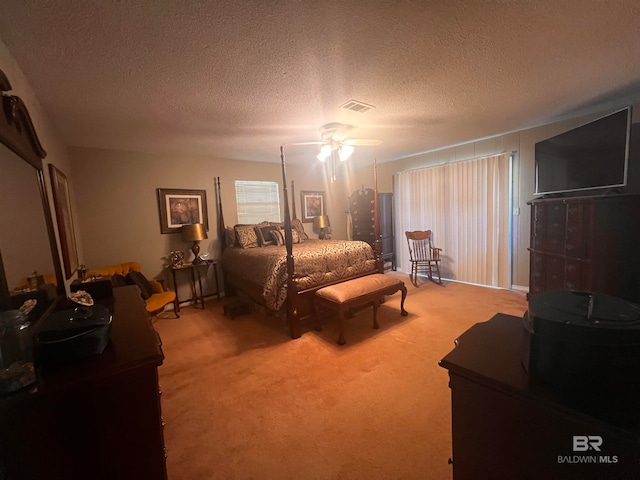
(118,208)
(522,142)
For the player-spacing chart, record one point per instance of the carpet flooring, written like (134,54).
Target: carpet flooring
(241,400)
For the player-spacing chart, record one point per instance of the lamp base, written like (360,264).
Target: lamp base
(195,248)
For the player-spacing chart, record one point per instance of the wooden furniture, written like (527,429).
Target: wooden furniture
(387,237)
(317,263)
(423,255)
(362,214)
(507,425)
(195,270)
(369,290)
(362,221)
(586,243)
(98,418)
(30,243)
(298,301)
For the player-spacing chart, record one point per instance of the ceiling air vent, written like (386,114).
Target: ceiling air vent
(357,106)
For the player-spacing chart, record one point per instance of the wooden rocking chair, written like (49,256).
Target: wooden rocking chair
(423,255)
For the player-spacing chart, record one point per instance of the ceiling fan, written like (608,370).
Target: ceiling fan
(335,141)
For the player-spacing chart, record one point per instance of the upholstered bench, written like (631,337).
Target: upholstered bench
(359,292)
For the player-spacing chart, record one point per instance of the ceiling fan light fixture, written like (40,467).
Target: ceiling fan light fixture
(345,152)
(325,151)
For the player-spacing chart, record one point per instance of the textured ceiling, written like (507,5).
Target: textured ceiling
(236,79)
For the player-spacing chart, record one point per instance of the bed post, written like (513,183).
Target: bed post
(377,243)
(292,311)
(222,237)
(293,201)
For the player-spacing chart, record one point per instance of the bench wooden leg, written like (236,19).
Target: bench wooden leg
(376,304)
(403,312)
(341,340)
(316,310)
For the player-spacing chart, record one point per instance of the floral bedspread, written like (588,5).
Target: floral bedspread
(316,262)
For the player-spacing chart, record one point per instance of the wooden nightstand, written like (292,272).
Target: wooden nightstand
(195,271)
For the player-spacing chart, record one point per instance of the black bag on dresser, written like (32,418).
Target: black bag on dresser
(71,335)
(581,340)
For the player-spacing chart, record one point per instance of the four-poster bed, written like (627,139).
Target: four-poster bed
(283,278)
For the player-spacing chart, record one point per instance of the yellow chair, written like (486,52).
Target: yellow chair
(159,298)
(423,254)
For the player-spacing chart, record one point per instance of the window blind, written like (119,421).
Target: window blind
(257,201)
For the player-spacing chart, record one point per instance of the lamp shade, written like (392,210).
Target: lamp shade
(325,152)
(321,222)
(193,232)
(345,152)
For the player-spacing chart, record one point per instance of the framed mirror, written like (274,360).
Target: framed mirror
(30,272)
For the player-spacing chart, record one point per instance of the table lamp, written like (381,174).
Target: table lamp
(321,223)
(194,233)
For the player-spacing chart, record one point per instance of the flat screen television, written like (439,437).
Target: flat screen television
(592,156)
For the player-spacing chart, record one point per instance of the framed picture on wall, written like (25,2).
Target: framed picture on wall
(181,207)
(64,219)
(312,205)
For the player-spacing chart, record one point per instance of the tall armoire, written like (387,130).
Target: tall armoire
(586,243)
(361,209)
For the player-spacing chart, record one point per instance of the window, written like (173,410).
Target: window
(467,206)
(257,201)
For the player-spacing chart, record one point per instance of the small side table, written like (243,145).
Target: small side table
(195,270)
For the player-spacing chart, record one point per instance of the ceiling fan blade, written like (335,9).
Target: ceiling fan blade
(362,142)
(307,143)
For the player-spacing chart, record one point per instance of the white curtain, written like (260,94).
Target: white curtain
(467,207)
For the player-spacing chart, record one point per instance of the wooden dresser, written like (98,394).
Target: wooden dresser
(98,418)
(507,425)
(361,209)
(586,243)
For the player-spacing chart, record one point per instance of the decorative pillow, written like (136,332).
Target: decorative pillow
(264,234)
(278,236)
(246,235)
(137,278)
(296,225)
